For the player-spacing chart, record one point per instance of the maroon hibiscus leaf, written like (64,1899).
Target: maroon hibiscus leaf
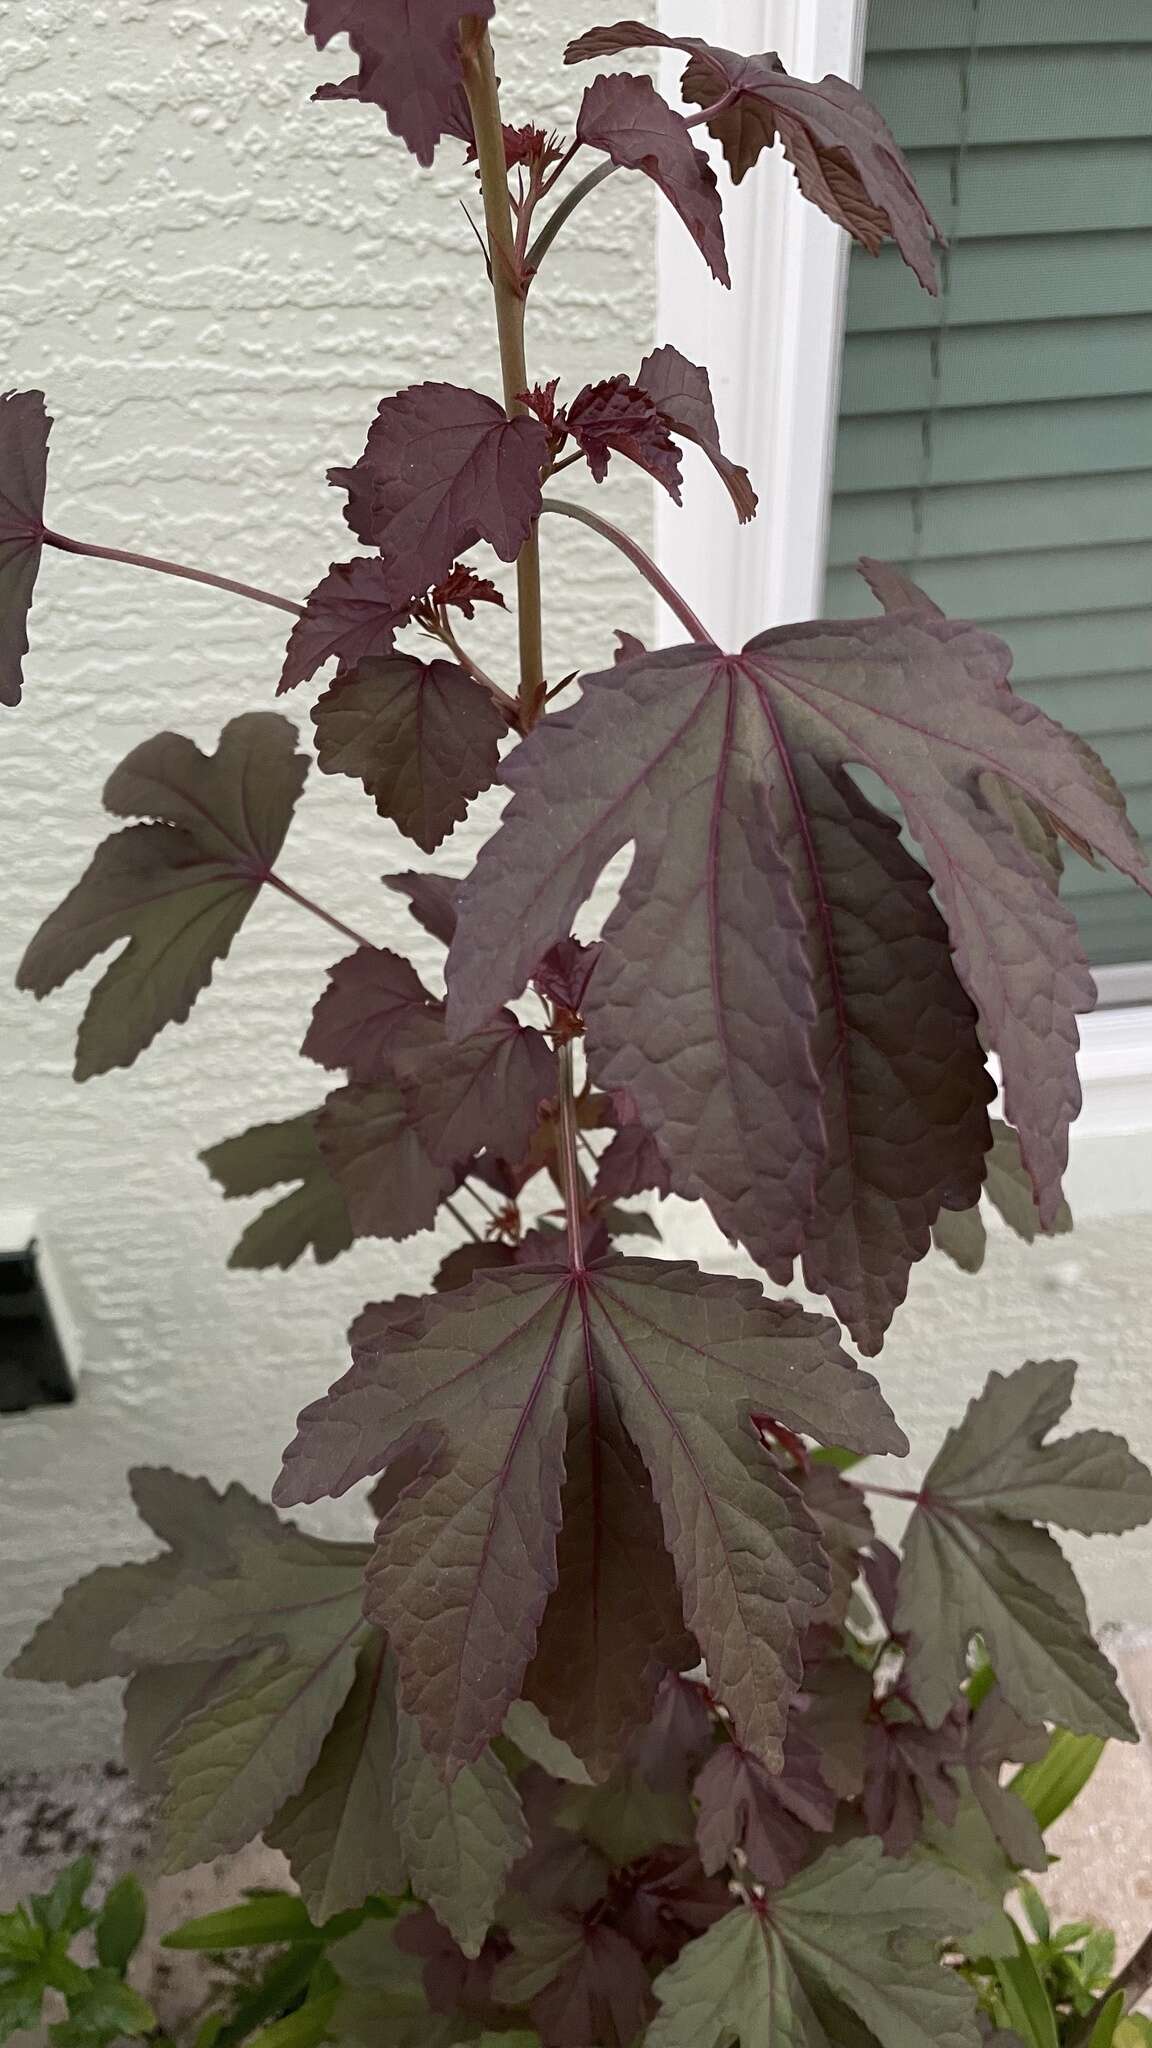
(615,1623)
(347,615)
(24,430)
(910,1771)
(997,1735)
(421,736)
(840,1512)
(564,973)
(669,1752)
(664,1900)
(632,1165)
(374,1007)
(467,1260)
(739,950)
(683,393)
(409,56)
(770,1817)
(432,901)
(177,888)
(443,468)
(467,1560)
(844,155)
(616,417)
(580,1979)
(481,1094)
(626,118)
(391,1185)
(894,590)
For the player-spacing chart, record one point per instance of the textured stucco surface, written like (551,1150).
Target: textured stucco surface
(216,281)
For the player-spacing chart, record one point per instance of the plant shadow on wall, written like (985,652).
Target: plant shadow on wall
(595,1475)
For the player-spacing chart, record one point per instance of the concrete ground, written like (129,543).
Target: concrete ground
(1103,1846)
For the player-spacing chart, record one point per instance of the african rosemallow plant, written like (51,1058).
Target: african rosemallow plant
(604,1697)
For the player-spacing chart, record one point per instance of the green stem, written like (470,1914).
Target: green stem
(564,211)
(508,293)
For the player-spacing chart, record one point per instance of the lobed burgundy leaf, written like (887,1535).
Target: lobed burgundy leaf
(177,889)
(845,157)
(482,1094)
(347,615)
(463,1264)
(24,430)
(769,1817)
(668,1754)
(374,1008)
(432,901)
(581,1980)
(683,393)
(409,57)
(617,417)
(391,1185)
(911,1771)
(629,647)
(626,118)
(421,736)
(632,1164)
(443,468)
(614,1624)
(467,1561)
(739,954)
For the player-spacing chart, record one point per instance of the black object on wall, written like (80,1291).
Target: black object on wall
(33,1366)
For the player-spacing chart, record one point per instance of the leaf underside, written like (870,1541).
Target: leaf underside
(178,890)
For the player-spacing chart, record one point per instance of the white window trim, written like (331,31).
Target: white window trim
(773,348)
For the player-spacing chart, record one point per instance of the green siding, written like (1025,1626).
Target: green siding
(998,442)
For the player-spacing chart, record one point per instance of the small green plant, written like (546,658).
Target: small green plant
(290,2000)
(35,1960)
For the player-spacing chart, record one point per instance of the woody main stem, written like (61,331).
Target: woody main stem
(508,292)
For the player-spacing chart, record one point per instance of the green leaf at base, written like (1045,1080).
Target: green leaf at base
(975,1561)
(855,1924)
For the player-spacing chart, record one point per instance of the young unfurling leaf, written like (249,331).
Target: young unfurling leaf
(409,56)
(421,736)
(313,1217)
(24,431)
(177,890)
(845,159)
(781,929)
(616,417)
(977,1561)
(856,1928)
(626,118)
(467,1558)
(443,468)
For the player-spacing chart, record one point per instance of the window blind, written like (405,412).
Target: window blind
(998,442)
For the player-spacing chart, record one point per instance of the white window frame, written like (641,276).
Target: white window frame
(773,347)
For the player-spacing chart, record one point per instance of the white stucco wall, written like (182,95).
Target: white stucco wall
(215,282)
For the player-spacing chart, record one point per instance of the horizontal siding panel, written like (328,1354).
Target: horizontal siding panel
(1005,518)
(1015,95)
(1104,704)
(1118,927)
(986,446)
(1044,584)
(1071,647)
(998,366)
(1037,277)
(942,25)
(1009,190)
